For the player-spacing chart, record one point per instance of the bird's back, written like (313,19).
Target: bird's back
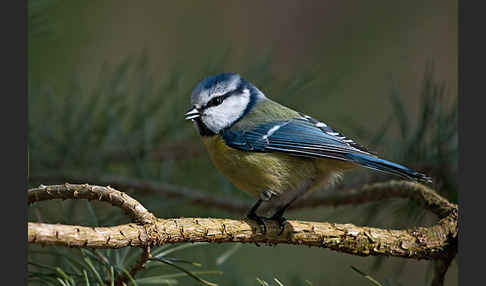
(266,111)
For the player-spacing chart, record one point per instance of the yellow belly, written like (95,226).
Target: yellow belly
(255,172)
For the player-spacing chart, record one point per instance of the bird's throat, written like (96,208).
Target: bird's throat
(203,129)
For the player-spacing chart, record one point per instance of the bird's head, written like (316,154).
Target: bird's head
(220,101)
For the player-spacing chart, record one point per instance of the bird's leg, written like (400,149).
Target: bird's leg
(253,216)
(264,196)
(278,215)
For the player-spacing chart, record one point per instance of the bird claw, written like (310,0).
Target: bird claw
(259,220)
(281,222)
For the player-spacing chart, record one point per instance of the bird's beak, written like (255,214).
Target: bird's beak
(192,113)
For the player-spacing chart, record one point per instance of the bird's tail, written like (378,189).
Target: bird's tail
(381,165)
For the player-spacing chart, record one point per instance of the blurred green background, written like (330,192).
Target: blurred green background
(109,82)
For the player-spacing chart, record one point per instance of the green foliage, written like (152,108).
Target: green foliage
(433,142)
(98,267)
(113,128)
(427,142)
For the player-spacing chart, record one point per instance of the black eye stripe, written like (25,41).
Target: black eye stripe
(215,101)
(218,99)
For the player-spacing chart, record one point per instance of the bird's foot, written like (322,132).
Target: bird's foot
(281,222)
(260,220)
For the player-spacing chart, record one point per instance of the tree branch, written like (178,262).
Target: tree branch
(434,242)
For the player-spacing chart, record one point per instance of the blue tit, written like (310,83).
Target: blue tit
(271,151)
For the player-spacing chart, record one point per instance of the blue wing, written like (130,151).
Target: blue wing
(297,136)
(310,138)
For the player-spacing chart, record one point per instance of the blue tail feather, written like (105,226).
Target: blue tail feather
(381,165)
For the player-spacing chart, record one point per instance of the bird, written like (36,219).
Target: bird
(271,151)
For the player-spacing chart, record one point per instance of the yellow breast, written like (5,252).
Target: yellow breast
(254,172)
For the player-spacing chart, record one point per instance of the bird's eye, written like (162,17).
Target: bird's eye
(215,101)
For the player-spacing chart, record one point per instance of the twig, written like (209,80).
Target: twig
(150,187)
(442,266)
(377,191)
(386,190)
(107,194)
(137,267)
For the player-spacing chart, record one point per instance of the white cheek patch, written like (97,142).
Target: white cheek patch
(218,117)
